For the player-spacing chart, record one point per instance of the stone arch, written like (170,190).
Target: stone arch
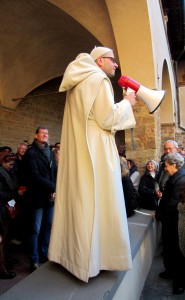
(167,107)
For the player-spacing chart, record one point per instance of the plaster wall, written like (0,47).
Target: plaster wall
(131,28)
(164,69)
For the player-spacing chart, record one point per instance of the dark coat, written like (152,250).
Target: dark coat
(17,168)
(130,195)
(181,227)
(167,213)
(38,174)
(8,190)
(167,210)
(148,199)
(8,185)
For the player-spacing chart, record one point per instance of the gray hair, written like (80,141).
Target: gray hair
(173,142)
(23,143)
(175,158)
(154,162)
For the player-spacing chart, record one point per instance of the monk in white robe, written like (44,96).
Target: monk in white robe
(90,231)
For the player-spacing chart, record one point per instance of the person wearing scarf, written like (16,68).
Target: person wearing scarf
(39,173)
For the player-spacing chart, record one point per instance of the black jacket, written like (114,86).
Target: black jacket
(38,174)
(8,185)
(8,190)
(148,199)
(167,210)
(130,195)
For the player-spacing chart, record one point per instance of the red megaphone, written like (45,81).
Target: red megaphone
(151,98)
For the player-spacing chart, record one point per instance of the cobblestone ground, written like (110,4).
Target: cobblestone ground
(156,288)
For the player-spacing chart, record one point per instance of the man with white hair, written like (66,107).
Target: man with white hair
(170,146)
(21,150)
(90,231)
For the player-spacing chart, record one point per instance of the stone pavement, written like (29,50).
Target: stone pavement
(155,287)
(22,269)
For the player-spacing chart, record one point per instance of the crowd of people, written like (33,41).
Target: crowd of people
(161,190)
(27,187)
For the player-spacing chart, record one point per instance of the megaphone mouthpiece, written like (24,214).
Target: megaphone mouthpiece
(128,82)
(151,98)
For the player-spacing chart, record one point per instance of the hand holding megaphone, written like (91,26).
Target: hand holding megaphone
(130,95)
(151,98)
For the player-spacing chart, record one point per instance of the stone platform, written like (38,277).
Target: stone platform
(52,282)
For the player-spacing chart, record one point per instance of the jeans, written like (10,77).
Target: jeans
(40,232)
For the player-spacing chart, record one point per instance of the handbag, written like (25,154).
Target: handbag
(12,211)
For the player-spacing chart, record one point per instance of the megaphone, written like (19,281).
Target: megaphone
(151,98)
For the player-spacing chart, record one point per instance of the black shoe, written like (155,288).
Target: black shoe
(165,275)
(34,267)
(7,275)
(9,266)
(11,262)
(178,291)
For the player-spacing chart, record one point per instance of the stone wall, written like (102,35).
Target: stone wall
(149,136)
(146,136)
(171,132)
(20,125)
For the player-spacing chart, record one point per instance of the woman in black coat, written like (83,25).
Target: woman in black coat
(9,190)
(148,199)
(167,213)
(130,193)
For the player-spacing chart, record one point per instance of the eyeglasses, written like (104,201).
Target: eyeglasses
(111,58)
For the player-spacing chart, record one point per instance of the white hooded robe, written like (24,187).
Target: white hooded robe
(90,231)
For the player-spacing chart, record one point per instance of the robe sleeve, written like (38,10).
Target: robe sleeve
(109,115)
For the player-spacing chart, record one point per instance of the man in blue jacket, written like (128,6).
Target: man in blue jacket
(39,175)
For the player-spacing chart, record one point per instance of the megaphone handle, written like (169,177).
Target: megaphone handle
(132,139)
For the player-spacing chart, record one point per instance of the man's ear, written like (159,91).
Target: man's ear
(99,61)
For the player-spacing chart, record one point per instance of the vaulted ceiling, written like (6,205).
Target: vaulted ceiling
(38,38)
